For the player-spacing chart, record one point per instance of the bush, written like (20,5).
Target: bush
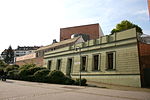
(32,70)
(13,74)
(31,78)
(41,75)
(83,82)
(11,67)
(57,77)
(23,74)
(27,66)
(68,81)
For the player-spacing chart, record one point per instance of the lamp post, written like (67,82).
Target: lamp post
(78,48)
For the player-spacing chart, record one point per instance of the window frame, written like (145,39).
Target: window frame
(48,64)
(58,67)
(71,70)
(99,62)
(114,61)
(86,63)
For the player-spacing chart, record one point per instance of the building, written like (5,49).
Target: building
(29,59)
(20,51)
(25,50)
(37,57)
(144,59)
(40,52)
(112,59)
(93,30)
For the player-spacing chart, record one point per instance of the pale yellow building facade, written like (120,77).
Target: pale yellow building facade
(112,59)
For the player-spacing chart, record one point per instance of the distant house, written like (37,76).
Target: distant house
(40,52)
(24,50)
(20,51)
(37,57)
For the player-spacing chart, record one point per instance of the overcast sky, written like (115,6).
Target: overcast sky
(38,22)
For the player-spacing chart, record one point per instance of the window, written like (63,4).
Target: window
(58,64)
(95,62)
(49,64)
(83,63)
(69,66)
(110,60)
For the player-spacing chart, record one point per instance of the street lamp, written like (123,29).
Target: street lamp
(78,48)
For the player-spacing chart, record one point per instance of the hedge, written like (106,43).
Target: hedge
(11,67)
(30,72)
(41,75)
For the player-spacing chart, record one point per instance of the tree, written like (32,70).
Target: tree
(9,59)
(124,25)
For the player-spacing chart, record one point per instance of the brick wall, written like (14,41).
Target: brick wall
(38,61)
(144,50)
(92,30)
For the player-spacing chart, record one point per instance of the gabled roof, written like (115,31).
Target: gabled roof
(68,41)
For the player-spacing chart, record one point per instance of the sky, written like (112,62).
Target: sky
(38,22)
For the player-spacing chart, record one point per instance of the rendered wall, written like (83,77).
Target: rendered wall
(38,61)
(126,60)
(25,57)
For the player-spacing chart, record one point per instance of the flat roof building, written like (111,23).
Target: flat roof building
(93,30)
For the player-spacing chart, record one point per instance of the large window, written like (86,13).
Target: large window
(96,62)
(83,63)
(58,64)
(111,60)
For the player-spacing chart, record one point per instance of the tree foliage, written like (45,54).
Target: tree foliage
(2,64)
(9,59)
(11,67)
(124,25)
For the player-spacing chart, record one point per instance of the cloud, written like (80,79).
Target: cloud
(141,12)
(36,22)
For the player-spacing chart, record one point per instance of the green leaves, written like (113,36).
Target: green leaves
(124,25)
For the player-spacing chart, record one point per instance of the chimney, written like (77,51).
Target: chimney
(54,41)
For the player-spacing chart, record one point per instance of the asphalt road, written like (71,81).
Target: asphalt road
(20,90)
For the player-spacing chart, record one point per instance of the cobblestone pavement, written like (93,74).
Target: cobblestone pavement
(20,90)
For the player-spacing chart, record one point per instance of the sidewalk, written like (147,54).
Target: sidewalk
(116,87)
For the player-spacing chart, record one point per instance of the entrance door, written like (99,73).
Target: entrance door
(69,67)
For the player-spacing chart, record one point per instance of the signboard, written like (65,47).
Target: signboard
(77,63)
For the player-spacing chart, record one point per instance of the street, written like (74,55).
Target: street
(21,90)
